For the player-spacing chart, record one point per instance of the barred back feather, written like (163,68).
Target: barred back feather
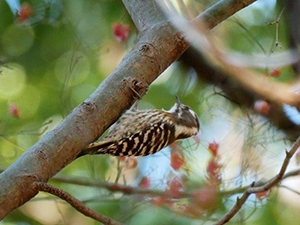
(145,132)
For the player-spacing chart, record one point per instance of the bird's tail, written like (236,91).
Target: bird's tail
(96,148)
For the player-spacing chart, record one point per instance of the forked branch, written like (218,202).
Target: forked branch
(261,188)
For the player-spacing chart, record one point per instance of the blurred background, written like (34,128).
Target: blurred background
(55,53)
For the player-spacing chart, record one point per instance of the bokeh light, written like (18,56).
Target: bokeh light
(28,101)
(13,80)
(17,39)
(72,68)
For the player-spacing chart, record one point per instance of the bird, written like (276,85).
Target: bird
(146,132)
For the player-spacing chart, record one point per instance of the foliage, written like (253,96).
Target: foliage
(54,54)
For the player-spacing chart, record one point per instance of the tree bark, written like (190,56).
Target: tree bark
(158,47)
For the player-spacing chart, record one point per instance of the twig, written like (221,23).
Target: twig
(292,173)
(113,187)
(75,203)
(129,190)
(261,188)
(119,170)
(250,34)
(196,32)
(290,189)
(277,30)
(125,189)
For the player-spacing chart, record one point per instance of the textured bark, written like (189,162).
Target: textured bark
(158,47)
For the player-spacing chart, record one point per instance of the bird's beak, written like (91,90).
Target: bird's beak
(176,106)
(178,101)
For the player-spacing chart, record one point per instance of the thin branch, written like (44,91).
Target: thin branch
(277,30)
(113,187)
(129,190)
(292,173)
(261,188)
(196,32)
(242,189)
(214,16)
(290,189)
(74,202)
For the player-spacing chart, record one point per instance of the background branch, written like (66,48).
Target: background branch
(75,203)
(261,188)
(129,190)
(248,79)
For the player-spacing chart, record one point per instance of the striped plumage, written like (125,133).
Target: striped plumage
(145,132)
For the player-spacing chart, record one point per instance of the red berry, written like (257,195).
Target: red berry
(275,73)
(262,107)
(176,184)
(213,147)
(174,146)
(123,158)
(261,195)
(213,168)
(159,201)
(25,12)
(14,111)
(175,188)
(176,160)
(144,183)
(206,197)
(120,31)
(131,163)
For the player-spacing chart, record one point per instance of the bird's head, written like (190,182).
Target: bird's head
(186,120)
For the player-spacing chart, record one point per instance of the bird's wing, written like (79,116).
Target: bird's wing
(146,142)
(96,148)
(122,127)
(132,122)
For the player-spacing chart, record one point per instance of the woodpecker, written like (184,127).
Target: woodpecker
(145,132)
